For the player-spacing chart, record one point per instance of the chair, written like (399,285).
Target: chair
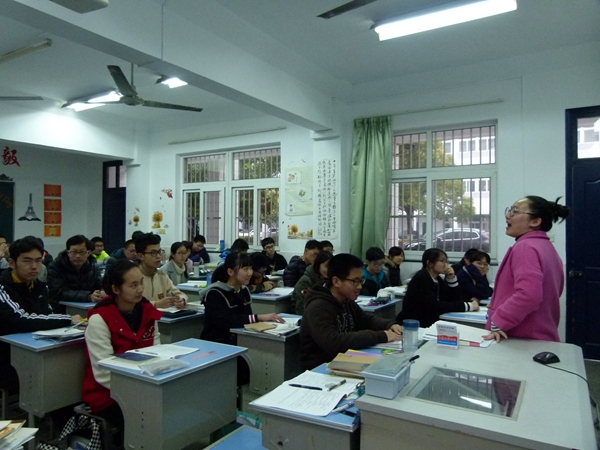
(106,430)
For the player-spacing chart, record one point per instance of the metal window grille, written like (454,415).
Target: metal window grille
(244,203)
(465,146)
(408,214)
(268,200)
(202,169)
(410,151)
(257,164)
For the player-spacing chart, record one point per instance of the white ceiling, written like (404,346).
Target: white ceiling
(335,55)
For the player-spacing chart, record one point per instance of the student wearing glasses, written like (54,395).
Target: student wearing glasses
(333,323)
(530,279)
(175,267)
(158,287)
(472,278)
(74,275)
(429,295)
(276,261)
(373,273)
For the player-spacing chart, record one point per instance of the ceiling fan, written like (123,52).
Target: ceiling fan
(130,97)
(355,4)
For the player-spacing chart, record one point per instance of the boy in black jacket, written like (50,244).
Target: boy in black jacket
(333,323)
(24,305)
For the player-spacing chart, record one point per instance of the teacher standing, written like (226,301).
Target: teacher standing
(530,279)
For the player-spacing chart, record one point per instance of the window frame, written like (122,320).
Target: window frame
(228,228)
(430,174)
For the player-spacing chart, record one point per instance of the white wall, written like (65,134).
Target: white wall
(163,167)
(530,116)
(80,177)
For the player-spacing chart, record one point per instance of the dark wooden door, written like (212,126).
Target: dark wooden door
(114,195)
(583,229)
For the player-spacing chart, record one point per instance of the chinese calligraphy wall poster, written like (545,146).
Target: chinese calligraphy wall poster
(327,194)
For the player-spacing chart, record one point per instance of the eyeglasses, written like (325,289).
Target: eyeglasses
(377,264)
(512,210)
(180,253)
(78,252)
(155,253)
(355,281)
(269,247)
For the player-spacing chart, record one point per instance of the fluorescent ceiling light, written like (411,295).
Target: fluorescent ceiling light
(93,101)
(450,14)
(111,96)
(172,82)
(25,51)
(478,402)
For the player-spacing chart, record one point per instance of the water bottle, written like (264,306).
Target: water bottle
(221,245)
(410,339)
(196,269)
(208,278)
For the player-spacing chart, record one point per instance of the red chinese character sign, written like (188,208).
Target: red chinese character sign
(9,157)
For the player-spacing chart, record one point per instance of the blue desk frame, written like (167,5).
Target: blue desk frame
(176,409)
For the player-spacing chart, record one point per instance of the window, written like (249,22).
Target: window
(441,189)
(219,204)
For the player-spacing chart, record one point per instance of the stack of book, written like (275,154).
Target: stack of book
(60,334)
(351,363)
(13,435)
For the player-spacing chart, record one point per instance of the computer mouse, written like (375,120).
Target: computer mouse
(546,358)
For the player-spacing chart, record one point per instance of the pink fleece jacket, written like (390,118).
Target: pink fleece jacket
(530,280)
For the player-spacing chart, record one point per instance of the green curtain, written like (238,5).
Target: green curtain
(371,178)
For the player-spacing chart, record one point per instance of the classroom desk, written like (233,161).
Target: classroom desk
(271,359)
(277,300)
(295,431)
(388,310)
(50,373)
(80,308)
(192,289)
(171,330)
(180,328)
(476,319)
(553,411)
(176,409)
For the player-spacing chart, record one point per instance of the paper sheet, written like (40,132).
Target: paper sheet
(305,401)
(466,333)
(325,382)
(166,351)
(15,440)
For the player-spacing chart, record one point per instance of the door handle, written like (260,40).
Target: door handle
(575,273)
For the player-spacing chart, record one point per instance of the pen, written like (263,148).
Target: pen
(272,295)
(314,388)
(336,385)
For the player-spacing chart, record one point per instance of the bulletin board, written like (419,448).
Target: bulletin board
(7,210)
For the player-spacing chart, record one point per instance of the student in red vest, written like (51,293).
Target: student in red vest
(125,320)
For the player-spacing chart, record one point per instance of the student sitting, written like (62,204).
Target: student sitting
(428,295)
(199,253)
(74,275)
(259,282)
(327,246)
(298,264)
(189,264)
(98,252)
(314,274)
(375,277)
(24,301)
(175,267)
(275,260)
(158,288)
(228,301)
(126,252)
(333,323)
(239,246)
(394,258)
(465,261)
(472,278)
(3,253)
(123,321)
